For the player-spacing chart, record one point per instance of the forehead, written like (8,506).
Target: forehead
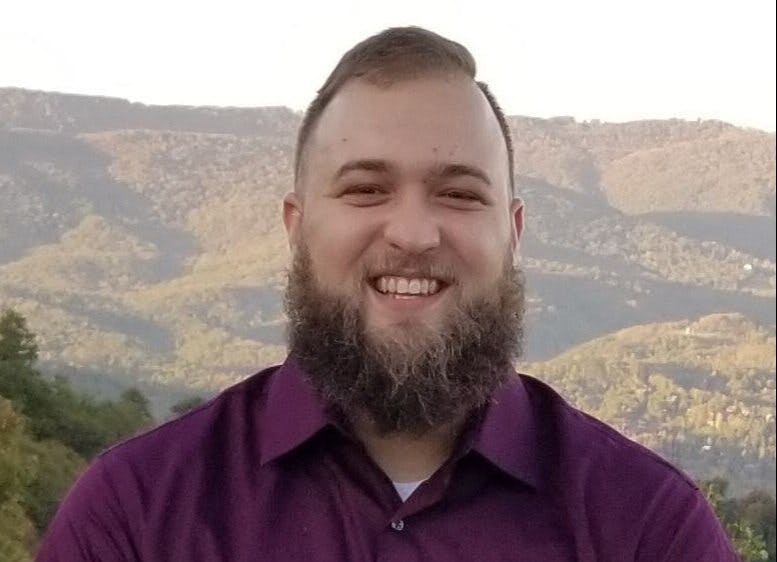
(413,124)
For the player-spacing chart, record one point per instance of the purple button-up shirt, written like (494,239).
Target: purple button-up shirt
(260,473)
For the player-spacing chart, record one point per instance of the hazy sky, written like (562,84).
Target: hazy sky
(611,60)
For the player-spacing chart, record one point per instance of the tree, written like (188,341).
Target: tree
(759,509)
(57,466)
(17,532)
(47,433)
(17,342)
(186,405)
(748,541)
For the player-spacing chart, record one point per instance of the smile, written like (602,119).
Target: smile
(413,286)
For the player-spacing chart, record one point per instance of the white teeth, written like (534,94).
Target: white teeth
(407,286)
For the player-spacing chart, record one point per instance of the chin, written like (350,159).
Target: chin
(409,331)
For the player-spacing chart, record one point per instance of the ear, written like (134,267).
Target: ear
(292,217)
(516,222)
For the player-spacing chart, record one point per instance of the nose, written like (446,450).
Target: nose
(411,227)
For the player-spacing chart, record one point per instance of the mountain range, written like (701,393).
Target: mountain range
(144,245)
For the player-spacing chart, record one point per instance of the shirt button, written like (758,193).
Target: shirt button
(398,525)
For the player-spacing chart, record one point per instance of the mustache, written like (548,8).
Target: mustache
(409,265)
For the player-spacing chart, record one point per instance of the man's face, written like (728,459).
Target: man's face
(404,203)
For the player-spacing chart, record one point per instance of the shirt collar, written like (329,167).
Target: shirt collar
(507,436)
(293,413)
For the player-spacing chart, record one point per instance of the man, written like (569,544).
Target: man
(396,429)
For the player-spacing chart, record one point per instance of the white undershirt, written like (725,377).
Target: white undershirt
(404,489)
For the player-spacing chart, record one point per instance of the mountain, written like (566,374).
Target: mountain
(701,392)
(144,239)
(144,245)
(75,114)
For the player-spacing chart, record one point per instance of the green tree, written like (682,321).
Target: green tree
(17,342)
(186,405)
(137,399)
(13,474)
(759,510)
(56,412)
(17,532)
(47,430)
(748,541)
(57,466)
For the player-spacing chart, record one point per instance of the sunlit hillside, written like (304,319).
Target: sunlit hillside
(701,391)
(144,246)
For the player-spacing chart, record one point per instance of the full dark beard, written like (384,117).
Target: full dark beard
(413,380)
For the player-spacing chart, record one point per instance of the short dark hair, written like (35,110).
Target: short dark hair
(395,54)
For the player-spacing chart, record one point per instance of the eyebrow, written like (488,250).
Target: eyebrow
(442,171)
(455,170)
(364,164)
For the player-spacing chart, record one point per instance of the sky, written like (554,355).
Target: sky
(593,59)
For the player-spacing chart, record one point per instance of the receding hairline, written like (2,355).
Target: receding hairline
(394,55)
(383,82)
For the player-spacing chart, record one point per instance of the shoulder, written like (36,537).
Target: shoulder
(107,509)
(585,440)
(175,455)
(630,495)
(235,410)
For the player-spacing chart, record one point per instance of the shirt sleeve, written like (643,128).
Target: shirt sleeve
(684,527)
(90,524)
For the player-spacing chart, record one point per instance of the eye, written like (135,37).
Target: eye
(367,189)
(364,194)
(463,197)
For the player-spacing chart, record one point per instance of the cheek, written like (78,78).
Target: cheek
(336,249)
(482,247)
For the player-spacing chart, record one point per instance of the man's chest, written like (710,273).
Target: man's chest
(328,518)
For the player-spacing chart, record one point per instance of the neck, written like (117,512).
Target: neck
(408,458)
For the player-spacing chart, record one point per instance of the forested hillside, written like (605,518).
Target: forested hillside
(145,242)
(48,433)
(700,392)
(144,246)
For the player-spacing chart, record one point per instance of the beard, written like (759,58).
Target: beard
(410,378)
